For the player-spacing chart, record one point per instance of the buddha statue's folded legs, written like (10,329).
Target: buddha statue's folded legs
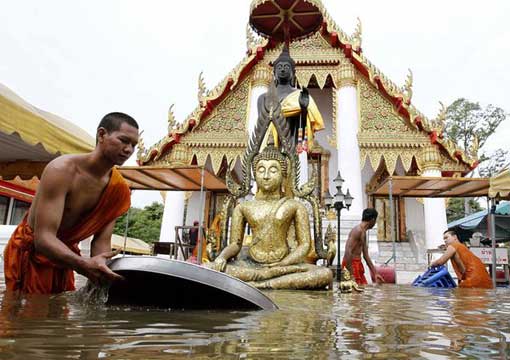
(302,276)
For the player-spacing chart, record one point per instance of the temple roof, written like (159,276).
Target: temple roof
(332,45)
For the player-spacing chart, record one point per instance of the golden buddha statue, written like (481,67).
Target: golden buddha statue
(280,234)
(347,284)
(281,254)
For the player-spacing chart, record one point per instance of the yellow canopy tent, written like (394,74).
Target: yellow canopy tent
(499,189)
(133,246)
(30,137)
(500,185)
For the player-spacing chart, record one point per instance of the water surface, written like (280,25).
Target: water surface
(389,321)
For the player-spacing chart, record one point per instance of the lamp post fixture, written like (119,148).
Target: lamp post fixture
(338,202)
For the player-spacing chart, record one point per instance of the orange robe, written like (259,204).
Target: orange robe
(476,276)
(358,271)
(32,272)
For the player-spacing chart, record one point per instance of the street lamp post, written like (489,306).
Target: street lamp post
(338,202)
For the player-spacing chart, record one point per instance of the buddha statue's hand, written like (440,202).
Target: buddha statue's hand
(219,264)
(304,98)
(277,264)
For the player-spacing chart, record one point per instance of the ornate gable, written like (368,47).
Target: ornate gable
(226,125)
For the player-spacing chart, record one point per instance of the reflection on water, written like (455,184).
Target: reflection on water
(388,321)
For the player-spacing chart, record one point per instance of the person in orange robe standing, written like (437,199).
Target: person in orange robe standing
(79,196)
(469,268)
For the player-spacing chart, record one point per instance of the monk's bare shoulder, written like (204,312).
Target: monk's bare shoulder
(355,232)
(63,166)
(62,170)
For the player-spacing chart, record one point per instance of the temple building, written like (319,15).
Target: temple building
(372,130)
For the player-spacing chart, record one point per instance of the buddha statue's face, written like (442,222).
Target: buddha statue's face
(346,274)
(268,175)
(284,72)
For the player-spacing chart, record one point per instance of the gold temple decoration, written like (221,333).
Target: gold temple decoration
(314,50)
(171,119)
(181,155)
(141,147)
(408,86)
(320,62)
(332,140)
(202,89)
(346,75)
(356,36)
(330,240)
(437,125)
(430,158)
(383,134)
(251,42)
(473,148)
(262,75)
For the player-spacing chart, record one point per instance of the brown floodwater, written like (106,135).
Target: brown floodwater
(387,322)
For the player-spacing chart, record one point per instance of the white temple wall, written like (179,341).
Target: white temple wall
(415,224)
(366,175)
(435,216)
(172,215)
(347,140)
(255,92)
(194,207)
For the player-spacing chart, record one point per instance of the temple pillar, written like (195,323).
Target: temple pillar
(173,215)
(260,79)
(434,209)
(347,125)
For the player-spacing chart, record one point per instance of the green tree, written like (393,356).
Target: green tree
(456,206)
(144,224)
(466,120)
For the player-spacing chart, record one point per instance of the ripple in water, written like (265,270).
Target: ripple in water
(387,321)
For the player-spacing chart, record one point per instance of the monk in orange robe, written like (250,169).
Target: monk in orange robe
(79,196)
(469,268)
(356,245)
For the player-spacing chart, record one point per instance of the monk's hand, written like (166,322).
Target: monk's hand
(379,279)
(98,272)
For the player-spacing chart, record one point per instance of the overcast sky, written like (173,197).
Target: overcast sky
(83,59)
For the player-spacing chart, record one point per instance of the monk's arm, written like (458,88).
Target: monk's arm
(302,237)
(47,215)
(450,251)
(373,273)
(102,241)
(52,192)
(460,266)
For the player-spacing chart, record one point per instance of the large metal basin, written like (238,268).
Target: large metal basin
(153,281)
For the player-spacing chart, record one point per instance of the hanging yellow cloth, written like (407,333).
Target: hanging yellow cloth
(290,107)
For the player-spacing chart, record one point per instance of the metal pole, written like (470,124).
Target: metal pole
(392,224)
(201,217)
(492,226)
(338,264)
